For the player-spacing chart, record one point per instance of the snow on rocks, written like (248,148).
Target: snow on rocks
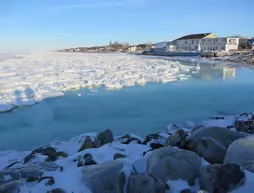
(32,78)
(129,163)
(241,152)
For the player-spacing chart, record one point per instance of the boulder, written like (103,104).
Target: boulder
(207,54)
(118,155)
(50,180)
(241,152)
(208,148)
(245,126)
(88,144)
(156,145)
(173,163)
(177,139)
(106,137)
(12,186)
(61,154)
(221,178)
(86,160)
(143,183)
(155,137)
(31,175)
(57,190)
(97,143)
(223,135)
(103,177)
(127,139)
(220,54)
(187,191)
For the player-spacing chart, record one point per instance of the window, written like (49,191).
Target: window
(185,42)
(192,41)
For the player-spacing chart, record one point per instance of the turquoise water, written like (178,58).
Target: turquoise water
(139,109)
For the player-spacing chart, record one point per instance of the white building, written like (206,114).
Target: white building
(191,42)
(219,44)
(132,49)
(203,42)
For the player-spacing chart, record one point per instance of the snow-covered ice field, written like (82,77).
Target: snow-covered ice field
(27,79)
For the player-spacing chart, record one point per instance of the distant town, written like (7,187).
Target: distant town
(192,44)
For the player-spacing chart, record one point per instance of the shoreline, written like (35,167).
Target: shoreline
(63,163)
(228,58)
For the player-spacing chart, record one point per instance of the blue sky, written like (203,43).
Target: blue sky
(36,25)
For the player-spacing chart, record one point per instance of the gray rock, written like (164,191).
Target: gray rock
(245,126)
(12,186)
(155,137)
(61,154)
(106,137)
(97,143)
(31,175)
(29,157)
(220,54)
(177,139)
(156,145)
(173,163)
(221,178)
(241,152)
(208,148)
(127,139)
(103,177)
(50,180)
(118,155)
(187,191)
(88,144)
(86,160)
(143,183)
(89,159)
(207,54)
(221,134)
(57,190)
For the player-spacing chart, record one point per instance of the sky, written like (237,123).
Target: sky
(40,25)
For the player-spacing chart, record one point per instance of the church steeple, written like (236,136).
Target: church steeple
(110,43)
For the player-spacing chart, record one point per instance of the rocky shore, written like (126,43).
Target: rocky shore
(234,57)
(216,157)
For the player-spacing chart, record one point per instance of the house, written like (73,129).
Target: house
(203,42)
(132,49)
(191,42)
(219,44)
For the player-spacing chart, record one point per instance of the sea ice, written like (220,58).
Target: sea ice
(30,78)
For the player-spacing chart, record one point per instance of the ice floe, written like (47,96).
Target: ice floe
(30,78)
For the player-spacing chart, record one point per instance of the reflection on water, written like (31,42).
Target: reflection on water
(211,71)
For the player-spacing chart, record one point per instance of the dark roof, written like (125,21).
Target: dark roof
(194,36)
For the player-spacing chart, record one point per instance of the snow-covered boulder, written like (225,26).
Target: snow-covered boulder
(177,139)
(87,144)
(224,135)
(103,177)
(173,163)
(221,178)
(106,137)
(208,148)
(11,186)
(241,152)
(245,126)
(144,183)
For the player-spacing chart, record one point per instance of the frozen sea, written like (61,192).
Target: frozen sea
(213,89)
